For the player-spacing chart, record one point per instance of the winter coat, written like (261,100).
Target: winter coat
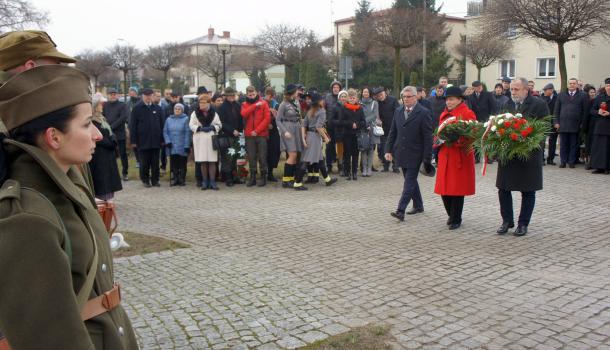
(256,118)
(455,173)
(116,113)
(438,106)
(177,133)
(501,101)
(40,280)
(570,111)
(602,124)
(483,106)
(104,169)
(410,141)
(202,141)
(387,108)
(371,115)
(520,175)
(347,118)
(330,104)
(230,117)
(146,126)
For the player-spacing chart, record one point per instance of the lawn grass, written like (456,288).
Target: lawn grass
(143,244)
(370,337)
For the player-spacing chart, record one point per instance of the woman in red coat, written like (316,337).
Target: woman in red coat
(455,174)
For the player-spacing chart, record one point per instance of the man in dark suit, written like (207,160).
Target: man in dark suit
(116,113)
(550,97)
(570,110)
(482,103)
(521,175)
(409,144)
(146,130)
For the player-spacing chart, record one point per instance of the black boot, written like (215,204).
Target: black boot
(270,176)
(229,179)
(386,167)
(252,180)
(263,182)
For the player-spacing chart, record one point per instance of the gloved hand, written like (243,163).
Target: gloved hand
(208,128)
(200,129)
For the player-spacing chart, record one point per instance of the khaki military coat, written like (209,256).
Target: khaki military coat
(39,281)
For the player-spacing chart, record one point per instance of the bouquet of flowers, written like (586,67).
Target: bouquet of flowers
(509,136)
(454,130)
(238,152)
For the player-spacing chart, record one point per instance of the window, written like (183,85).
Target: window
(546,67)
(507,68)
(511,31)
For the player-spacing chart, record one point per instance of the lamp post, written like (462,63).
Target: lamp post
(224,47)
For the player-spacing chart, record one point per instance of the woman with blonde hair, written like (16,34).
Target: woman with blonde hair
(204,124)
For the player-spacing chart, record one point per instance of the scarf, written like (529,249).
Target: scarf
(100,119)
(205,117)
(352,107)
(252,100)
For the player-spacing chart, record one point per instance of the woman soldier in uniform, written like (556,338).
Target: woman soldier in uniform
(313,135)
(289,125)
(57,289)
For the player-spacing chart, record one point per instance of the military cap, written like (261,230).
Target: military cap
(291,88)
(18,47)
(147,91)
(549,86)
(42,90)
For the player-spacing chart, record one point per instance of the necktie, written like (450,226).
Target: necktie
(518,106)
(407,112)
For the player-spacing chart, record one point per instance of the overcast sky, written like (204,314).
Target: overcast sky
(87,24)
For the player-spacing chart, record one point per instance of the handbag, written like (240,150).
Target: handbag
(107,211)
(378,130)
(220,143)
(364,141)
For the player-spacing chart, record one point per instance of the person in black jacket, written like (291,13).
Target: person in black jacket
(569,113)
(437,104)
(483,104)
(146,131)
(521,175)
(104,169)
(330,104)
(600,146)
(549,95)
(273,144)
(409,144)
(351,121)
(421,98)
(387,106)
(232,126)
(588,124)
(116,113)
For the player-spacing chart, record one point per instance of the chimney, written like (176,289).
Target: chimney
(226,34)
(210,33)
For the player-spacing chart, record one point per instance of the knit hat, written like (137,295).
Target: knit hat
(179,105)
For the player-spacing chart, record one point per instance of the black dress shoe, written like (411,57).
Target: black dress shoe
(550,162)
(503,229)
(415,211)
(520,231)
(396,171)
(454,226)
(331,181)
(355,177)
(147,185)
(399,215)
(597,171)
(562,165)
(448,221)
(572,166)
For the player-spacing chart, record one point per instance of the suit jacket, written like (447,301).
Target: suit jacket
(570,111)
(602,124)
(410,141)
(520,175)
(116,114)
(483,106)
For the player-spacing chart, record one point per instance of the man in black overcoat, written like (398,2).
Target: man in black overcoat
(519,175)
(570,111)
(116,113)
(482,103)
(387,106)
(550,97)
(409,144)
(146,130)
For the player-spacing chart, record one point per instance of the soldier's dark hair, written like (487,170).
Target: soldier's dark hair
(30,131)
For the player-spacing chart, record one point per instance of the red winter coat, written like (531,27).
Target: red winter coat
(256,118)
(455,173)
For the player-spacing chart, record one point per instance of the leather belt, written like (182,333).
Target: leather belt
(94,307)
(290,120)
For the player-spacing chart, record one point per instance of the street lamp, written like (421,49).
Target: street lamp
(224,46)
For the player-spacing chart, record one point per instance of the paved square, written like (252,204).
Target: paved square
(272,268)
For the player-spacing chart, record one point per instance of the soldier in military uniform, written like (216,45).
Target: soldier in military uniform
(289,125)
(57,289)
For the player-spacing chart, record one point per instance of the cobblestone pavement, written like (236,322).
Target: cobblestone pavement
(272,268)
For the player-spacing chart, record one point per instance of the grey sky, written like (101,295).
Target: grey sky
(87,24)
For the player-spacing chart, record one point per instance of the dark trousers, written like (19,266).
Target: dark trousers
(568,147)
(410,190)
(331,154)
(163,158)
(228,163)
(256,150)
(381,152)
(177,166)
(528,201)
(552,146)
(350,154)
(149,165)
(198,175)
(123,154)
(454,205)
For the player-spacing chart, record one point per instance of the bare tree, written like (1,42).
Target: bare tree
(94,63)
(210,64)
(482,49)
(558,21)
(282,43)
(20,14)
(127,59)
(164,57)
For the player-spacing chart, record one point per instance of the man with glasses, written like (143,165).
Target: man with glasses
(409,144)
